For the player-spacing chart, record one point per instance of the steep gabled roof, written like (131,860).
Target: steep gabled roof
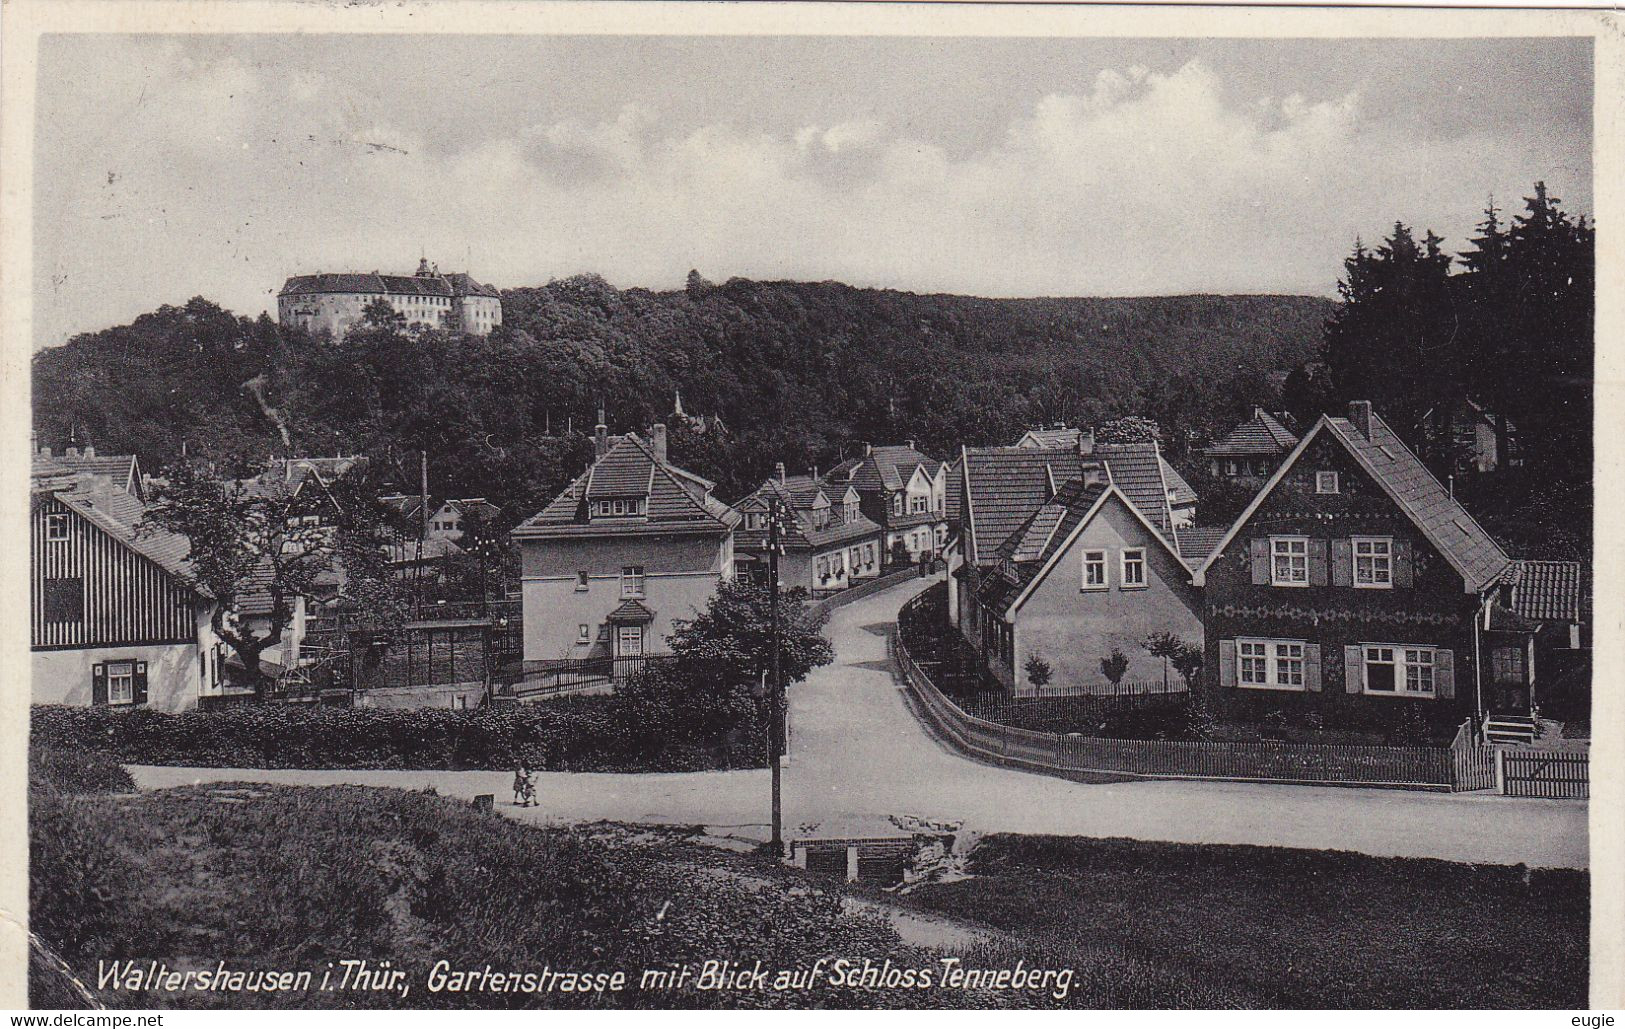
(1136,470)
(1179,491)
(672,500)
(1436,514)
(1197,542)
(1004,486)
(801,493)
(123,469)
(1051,438)
(1262,435)
(886,468)
(121,516)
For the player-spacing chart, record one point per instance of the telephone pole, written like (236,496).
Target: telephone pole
(775,698)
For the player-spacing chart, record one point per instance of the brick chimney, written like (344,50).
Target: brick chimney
(73,451)
(90,451)
(868,448)
(1360,415)
(1086,442)
(778,471)
(657,433)
(600,435)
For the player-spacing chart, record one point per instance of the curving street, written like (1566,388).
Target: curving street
(858,752)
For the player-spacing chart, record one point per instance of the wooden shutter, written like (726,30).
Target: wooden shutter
(1404,565)
(1342,563)
(1444,674)
(98,685)
(1227,664)
(1353,669)
(138,682)
(1311,667)
(1317,562)
(1260,549)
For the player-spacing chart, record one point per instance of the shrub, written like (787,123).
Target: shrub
(1114,666)
(77,770)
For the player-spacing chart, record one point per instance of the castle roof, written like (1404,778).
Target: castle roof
(454,284)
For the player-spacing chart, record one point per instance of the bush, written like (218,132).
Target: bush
(576,734)
(77,770)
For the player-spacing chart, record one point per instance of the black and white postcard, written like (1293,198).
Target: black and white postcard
(833,506)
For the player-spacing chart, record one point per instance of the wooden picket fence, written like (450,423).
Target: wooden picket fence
(1554,774)
(1071,754)
(1472,763)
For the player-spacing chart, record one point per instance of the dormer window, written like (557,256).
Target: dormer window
(617,508)
(897,503)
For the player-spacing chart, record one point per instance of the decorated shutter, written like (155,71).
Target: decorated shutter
(98,685)
(1260,549)
(1317,562)
(1227,663)
(1342,563)
(1311,667)
(1444,674)
(138,682)
(1404,566)
(1353,669)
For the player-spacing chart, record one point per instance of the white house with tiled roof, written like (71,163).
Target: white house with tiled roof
(633,545)
(905,493)
(829,543)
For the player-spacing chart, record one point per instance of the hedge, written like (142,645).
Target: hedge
(578,734)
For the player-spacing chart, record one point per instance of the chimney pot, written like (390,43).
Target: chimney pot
(1086,442)
(600,435)
(658,432)
(910,443)
(868,448)
(1360,415)
(73,451)
(90,451)
(778,470)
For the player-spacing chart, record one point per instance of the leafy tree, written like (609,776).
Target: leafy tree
(732,638)
(1114,666)
(1039,671)
(1133,429)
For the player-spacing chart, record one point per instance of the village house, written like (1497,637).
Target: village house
(113,619)
(1068,553)
(634,544)
(1181,497)
(123,470)
(1468,433)
(829,544)
(446,522)
(1248,453)
(1354,592)
(904,492)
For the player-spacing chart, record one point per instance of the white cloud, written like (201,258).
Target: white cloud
(1141,182)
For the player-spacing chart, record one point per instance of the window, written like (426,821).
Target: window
(1399,671)
(917,505)
(854,557)
(753,520)
(64,600)
(869,554)
(1373,563)
(1133,567)
(581,581)
(1507,665)
(1094,569)
(603,633)
(583,633)
(121,682)
(56,528)
(1326,482)
(632,581)
(631,641)
(823,568)
(1289,561)
(897,504)
(1270,664)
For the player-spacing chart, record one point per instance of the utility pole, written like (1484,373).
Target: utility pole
(775,685)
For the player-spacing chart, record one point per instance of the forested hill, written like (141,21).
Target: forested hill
(797,372)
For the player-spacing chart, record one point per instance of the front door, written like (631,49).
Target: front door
(630,640)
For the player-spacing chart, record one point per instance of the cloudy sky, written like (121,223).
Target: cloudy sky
(168,167)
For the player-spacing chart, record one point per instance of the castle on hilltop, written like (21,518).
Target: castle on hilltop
(333,302)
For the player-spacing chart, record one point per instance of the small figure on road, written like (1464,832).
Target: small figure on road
(524,787)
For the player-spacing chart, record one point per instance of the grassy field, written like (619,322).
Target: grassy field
(1283,928)
(276,878)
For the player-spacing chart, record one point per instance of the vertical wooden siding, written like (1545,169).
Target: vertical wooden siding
(128,599)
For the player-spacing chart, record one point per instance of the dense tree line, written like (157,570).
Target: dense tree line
(1504,327)
(797,372)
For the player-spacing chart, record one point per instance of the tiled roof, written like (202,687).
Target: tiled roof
(1027,550)
(454,284)
(953,492)
(632,612)
(1005,485)
(672,499)
(1547,590)
(121,515)
(1136,469)
(1051,438)
(1179,491)
(1197,542)
(883,468)
(1455,534)
(801,493)
(121,468)
(435,548)
(1261,435)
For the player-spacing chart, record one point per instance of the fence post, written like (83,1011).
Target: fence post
(1500,772)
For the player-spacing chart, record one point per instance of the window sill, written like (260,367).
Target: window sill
(1271,686)
(1402,694)
(1372,585)
(1094,589)
(1290,585)
(1127,586)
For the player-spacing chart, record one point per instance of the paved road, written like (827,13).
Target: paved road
(858,752)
